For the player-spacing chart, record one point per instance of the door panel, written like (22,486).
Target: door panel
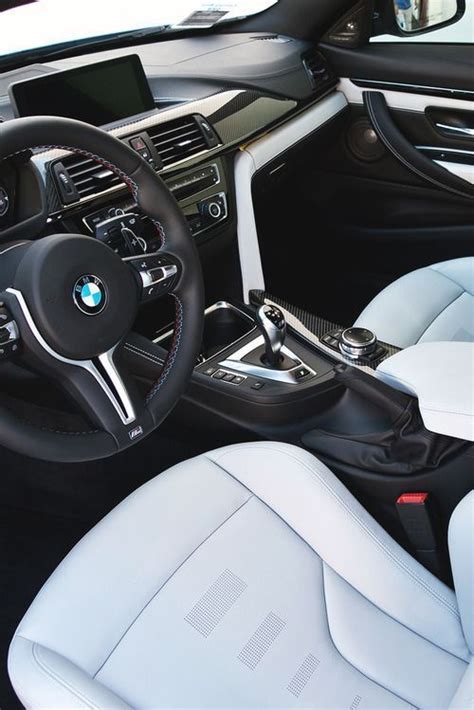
(370,217)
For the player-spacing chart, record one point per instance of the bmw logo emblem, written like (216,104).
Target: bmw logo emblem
(90,295)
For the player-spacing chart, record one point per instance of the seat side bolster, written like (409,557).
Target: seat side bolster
(53,678)
(316,505)
(461,550)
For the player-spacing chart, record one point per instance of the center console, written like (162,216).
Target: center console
(202,194)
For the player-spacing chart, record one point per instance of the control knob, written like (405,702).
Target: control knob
(358,343)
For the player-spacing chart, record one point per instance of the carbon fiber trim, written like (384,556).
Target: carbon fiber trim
(236,116)
(307,324)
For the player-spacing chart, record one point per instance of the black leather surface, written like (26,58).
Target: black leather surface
(158,203)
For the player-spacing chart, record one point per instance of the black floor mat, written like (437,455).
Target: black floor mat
(46,508)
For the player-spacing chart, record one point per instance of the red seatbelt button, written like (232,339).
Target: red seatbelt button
(412,499)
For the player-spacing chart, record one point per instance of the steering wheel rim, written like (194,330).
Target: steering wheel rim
(156,202)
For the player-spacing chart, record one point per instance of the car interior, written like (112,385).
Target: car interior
(237,360)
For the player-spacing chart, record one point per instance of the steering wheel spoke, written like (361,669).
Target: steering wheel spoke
(71,303)
(107,394)
(158,274)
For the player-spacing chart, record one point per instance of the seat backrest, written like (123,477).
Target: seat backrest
(461,551)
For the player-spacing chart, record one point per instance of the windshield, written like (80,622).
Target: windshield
(31,24)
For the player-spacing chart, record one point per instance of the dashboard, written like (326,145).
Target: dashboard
(210,96)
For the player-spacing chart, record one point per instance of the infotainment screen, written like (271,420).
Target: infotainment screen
(96,93)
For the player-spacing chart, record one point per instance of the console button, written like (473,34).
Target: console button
(301,373)
(220,374)
(238,380)
(138,143)
(258,385)
(228,377)
(209,372)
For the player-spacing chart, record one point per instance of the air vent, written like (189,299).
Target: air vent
(89,177)
(181,139)
(317,69)
(78,178)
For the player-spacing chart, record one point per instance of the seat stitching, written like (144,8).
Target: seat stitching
(142,353)
(449,278)
(392,555)
(48,671)
(400,623)
(440,313)
(242,505)
(372,680)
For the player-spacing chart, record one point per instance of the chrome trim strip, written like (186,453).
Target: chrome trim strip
(445,150)
(380,82)
(234,362)
(464,131)
(215,307)
(404,100)
(119,399)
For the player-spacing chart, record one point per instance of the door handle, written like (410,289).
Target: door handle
(459,130)
(406,153)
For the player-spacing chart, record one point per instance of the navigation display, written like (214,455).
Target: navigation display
(98,93)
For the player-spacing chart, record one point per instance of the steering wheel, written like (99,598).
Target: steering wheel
(68,301)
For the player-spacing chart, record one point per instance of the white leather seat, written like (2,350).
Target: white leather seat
(248,578)
(431,304)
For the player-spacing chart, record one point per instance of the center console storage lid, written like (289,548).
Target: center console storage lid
(441,376)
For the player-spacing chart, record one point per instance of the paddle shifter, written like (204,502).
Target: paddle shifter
(272,324)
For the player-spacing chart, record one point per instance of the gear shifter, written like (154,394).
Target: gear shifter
(272,325)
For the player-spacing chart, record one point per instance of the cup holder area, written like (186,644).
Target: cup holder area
(224,324)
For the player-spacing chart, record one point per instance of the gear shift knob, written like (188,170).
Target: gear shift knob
(272,324)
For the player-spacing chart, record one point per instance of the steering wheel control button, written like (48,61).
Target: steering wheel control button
(90,295)
(157,275)
(357,343)
(4,202)
(9,335)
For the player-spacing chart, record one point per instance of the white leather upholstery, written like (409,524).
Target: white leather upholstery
(461,549)
(431,304)
(441,376)
(245,578)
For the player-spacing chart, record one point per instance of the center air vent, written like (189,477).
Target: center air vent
(317,69)
(78,177)
(180,139)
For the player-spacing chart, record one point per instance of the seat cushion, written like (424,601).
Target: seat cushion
(248,577)
(431,304)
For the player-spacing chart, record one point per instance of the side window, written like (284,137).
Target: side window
(415,15)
